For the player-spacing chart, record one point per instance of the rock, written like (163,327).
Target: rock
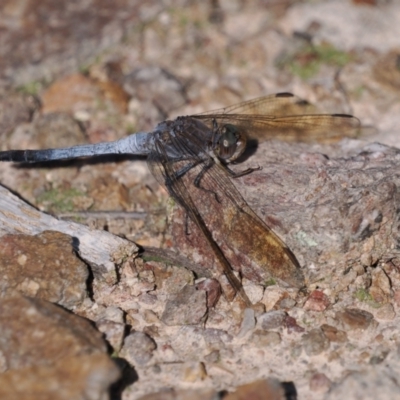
(270,389)
(36,332)
(182,394)
(188,307)
(334,334)
(315,342)
(317,301)
(265,338)
(355,319)
(194,372)
(78,377)
(248,322)
(171,280)
(138,348)
(114,332)
(213,290)
(271,320)
(380,288)
(291,325)
(43,266)
(212,357)
(386,312)
(320,383)
(47,352)
(100,249)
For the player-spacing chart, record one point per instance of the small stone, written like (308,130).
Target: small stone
(270,389)
(334,334)
(216,338)
(265,338)
(354,318)
(317,301)
(212,357)
(254,292)
(138,348)
(386,312)
(114,332)
(194,372)
(272,320)
(248,322)
(291,325)
(379,358)
(148,298)
(172,280)
(182,394)
(150,317)
(396,298)
(213,290)
(320,383)
(188,307)
(114,314)
(287,303)
(380,288)
(315,342)
(271,296)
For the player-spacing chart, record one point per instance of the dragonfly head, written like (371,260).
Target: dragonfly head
(231,143)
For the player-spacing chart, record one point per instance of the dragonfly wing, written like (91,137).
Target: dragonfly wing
(275,104)
(283,116)
(303,128)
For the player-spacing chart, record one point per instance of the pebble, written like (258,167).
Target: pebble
(194,372)
(319,382)
(380,288)
(317,301)
(113,331)
(248,322)
(213,357)
(354,318)
(268,389)
(213,290)
(315,342)
(266,338)
(272,320)
(386,312)
(334,334)
(138,348)
(188,307)
(291,325)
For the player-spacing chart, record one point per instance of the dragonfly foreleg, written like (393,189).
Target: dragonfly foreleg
(207,165)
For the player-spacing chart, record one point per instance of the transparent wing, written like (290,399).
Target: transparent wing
(278,104)
(283,116)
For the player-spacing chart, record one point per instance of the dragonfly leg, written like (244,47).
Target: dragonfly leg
(206,167)
(182,172)
(235,174)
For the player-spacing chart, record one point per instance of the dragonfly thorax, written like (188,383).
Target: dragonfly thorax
(231,143)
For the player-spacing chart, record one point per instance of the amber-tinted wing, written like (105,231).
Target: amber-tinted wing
(283,116)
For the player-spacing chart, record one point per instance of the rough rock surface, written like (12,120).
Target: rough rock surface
(82,73)
(43,266)
(44,348)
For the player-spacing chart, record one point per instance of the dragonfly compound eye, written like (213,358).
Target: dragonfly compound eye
(232,143)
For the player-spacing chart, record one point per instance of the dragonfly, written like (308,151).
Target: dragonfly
(191,157)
